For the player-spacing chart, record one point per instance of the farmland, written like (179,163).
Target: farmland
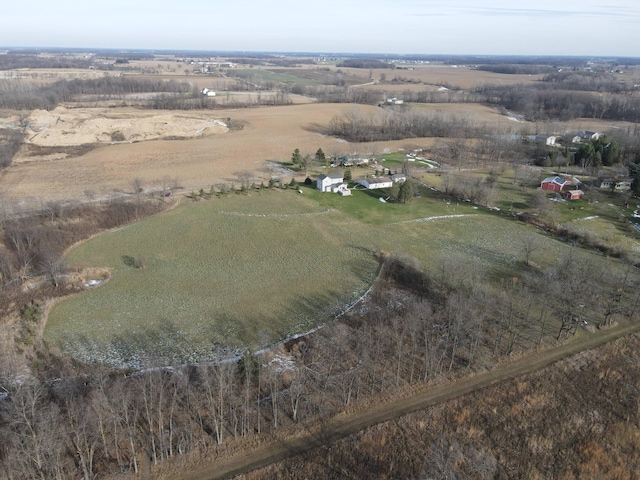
(145,224)
(244,271)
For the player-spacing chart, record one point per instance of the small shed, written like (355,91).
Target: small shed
(573,194)
(545,139)
(554,184)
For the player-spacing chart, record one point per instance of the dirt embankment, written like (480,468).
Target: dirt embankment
(70,127)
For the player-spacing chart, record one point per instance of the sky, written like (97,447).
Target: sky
(465,27)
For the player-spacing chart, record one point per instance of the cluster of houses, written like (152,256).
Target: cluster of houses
(353,161)
(562,185)
(580,137)
(335,183)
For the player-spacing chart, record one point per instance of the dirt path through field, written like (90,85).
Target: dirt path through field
(344,426)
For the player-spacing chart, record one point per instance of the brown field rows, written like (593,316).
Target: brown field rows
(268,133)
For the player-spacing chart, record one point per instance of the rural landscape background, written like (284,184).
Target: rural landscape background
(180,300)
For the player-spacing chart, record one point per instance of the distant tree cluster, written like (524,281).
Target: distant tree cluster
(517,69)
(597,153)
(17,95)
(547,101)
(394,125)
(587,81)
(14,61)
(364,63)
(451,95)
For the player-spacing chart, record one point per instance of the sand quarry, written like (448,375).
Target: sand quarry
(81,126)
(191,149)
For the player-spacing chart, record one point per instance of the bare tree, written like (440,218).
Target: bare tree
(530,244)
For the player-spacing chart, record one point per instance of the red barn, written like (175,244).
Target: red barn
(553,184)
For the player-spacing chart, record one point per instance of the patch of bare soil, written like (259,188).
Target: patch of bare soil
(268,134)
(81,126)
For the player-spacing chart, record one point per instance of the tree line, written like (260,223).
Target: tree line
(393,124)
(549,102)
(33,245)
(586,81)
(19,95)
(517,69)
(15,60)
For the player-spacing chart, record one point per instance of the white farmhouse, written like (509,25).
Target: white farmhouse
(208,93)
(376,182)
(331,183)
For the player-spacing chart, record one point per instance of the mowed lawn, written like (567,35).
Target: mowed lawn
(238,272)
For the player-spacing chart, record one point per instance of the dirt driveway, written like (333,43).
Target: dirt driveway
(344,426)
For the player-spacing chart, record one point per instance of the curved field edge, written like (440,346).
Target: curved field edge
(242,272)
(218,275)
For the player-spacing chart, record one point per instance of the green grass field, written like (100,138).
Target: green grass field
(244,271)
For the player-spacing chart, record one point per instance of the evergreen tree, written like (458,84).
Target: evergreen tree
(296,157)
(405,193)
(320,156)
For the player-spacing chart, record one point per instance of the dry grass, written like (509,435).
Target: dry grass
(586,427)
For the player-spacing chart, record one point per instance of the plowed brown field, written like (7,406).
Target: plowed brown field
(267,133)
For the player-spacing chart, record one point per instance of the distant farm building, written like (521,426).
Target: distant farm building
(573,194)
(554,184)
(373,183)
(398,178)
(395,101)
(208,93)
(545,139)
(332,183)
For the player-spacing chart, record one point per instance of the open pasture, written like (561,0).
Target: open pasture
(241,271)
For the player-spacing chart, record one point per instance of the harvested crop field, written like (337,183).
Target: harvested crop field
(267,133)
(259,137)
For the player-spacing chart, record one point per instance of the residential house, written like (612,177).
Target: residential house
(399,178)
(554,184)
(331,183)
(616,185)
(585,136)
(373,183)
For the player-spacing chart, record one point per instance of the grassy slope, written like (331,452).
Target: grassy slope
(244,270)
